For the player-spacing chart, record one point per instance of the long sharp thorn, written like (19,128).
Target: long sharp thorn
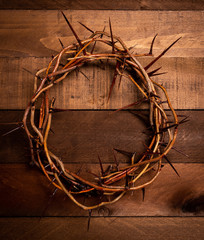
(151,47)
(130,48)
(13,130)
(27,71)
(130,105)
(93,47)
(122,70)
(115,159)
(114,79)
(154,71)
(31,73)
(113,48)
(52,131)
(157,74)
(76,36)
(177,150)
(61,43)
(128,154)
(86,27)
(89,220)
(157,58)
(84,75)
(126,181)
(101,166)
(143,194)
(169,162)
(103,31)
(49,201)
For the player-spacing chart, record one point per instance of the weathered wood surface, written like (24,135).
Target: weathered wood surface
(102,228)
(183,81)
(27,192)
(80,136)
(36,33)
(106,4)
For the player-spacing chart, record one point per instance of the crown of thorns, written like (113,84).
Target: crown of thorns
(120,180)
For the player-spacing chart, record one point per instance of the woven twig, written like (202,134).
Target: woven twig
(57,71)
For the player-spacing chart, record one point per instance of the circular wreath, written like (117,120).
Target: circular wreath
(120,180)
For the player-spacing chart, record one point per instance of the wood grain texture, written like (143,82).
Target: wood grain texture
(36,33)
(80,136)
(140,228)
(26,191)
(183,81)
(106,4)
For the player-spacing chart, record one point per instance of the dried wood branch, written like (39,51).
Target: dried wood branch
(117,181)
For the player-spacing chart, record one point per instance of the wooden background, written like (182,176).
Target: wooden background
(173,207)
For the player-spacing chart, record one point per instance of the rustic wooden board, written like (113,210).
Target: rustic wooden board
(183,81)
(26,192)
(103,228)
(36,33)
(106,4)
(80,136)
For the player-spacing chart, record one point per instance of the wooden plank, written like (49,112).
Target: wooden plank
(183,81)
(27,192)
(103,228)
(79,136)
(36,33)
(106,4)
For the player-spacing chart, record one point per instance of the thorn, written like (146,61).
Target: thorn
(114,79)
(143,194)
(13,130)
(130,105)
(76,36)
(126,181)
(49,201)
(154,71)
(31,73)
(59,110)
(86,27)
(93,47)
(103,31)
(61,43)
(113,48)
(52,131)
(27,71)
(115,159)
(47,165)
(128,154)
(151,47)
(84,75)
(101,166)
(169,162)
(157,58)
(89,220)
(157,74)
(177,150)
(132,47)
(78,172)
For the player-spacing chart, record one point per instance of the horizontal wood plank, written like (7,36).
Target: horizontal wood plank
(106,4)
(25,191)
(80,136)
(183,81)
(102,228)
(36,33)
